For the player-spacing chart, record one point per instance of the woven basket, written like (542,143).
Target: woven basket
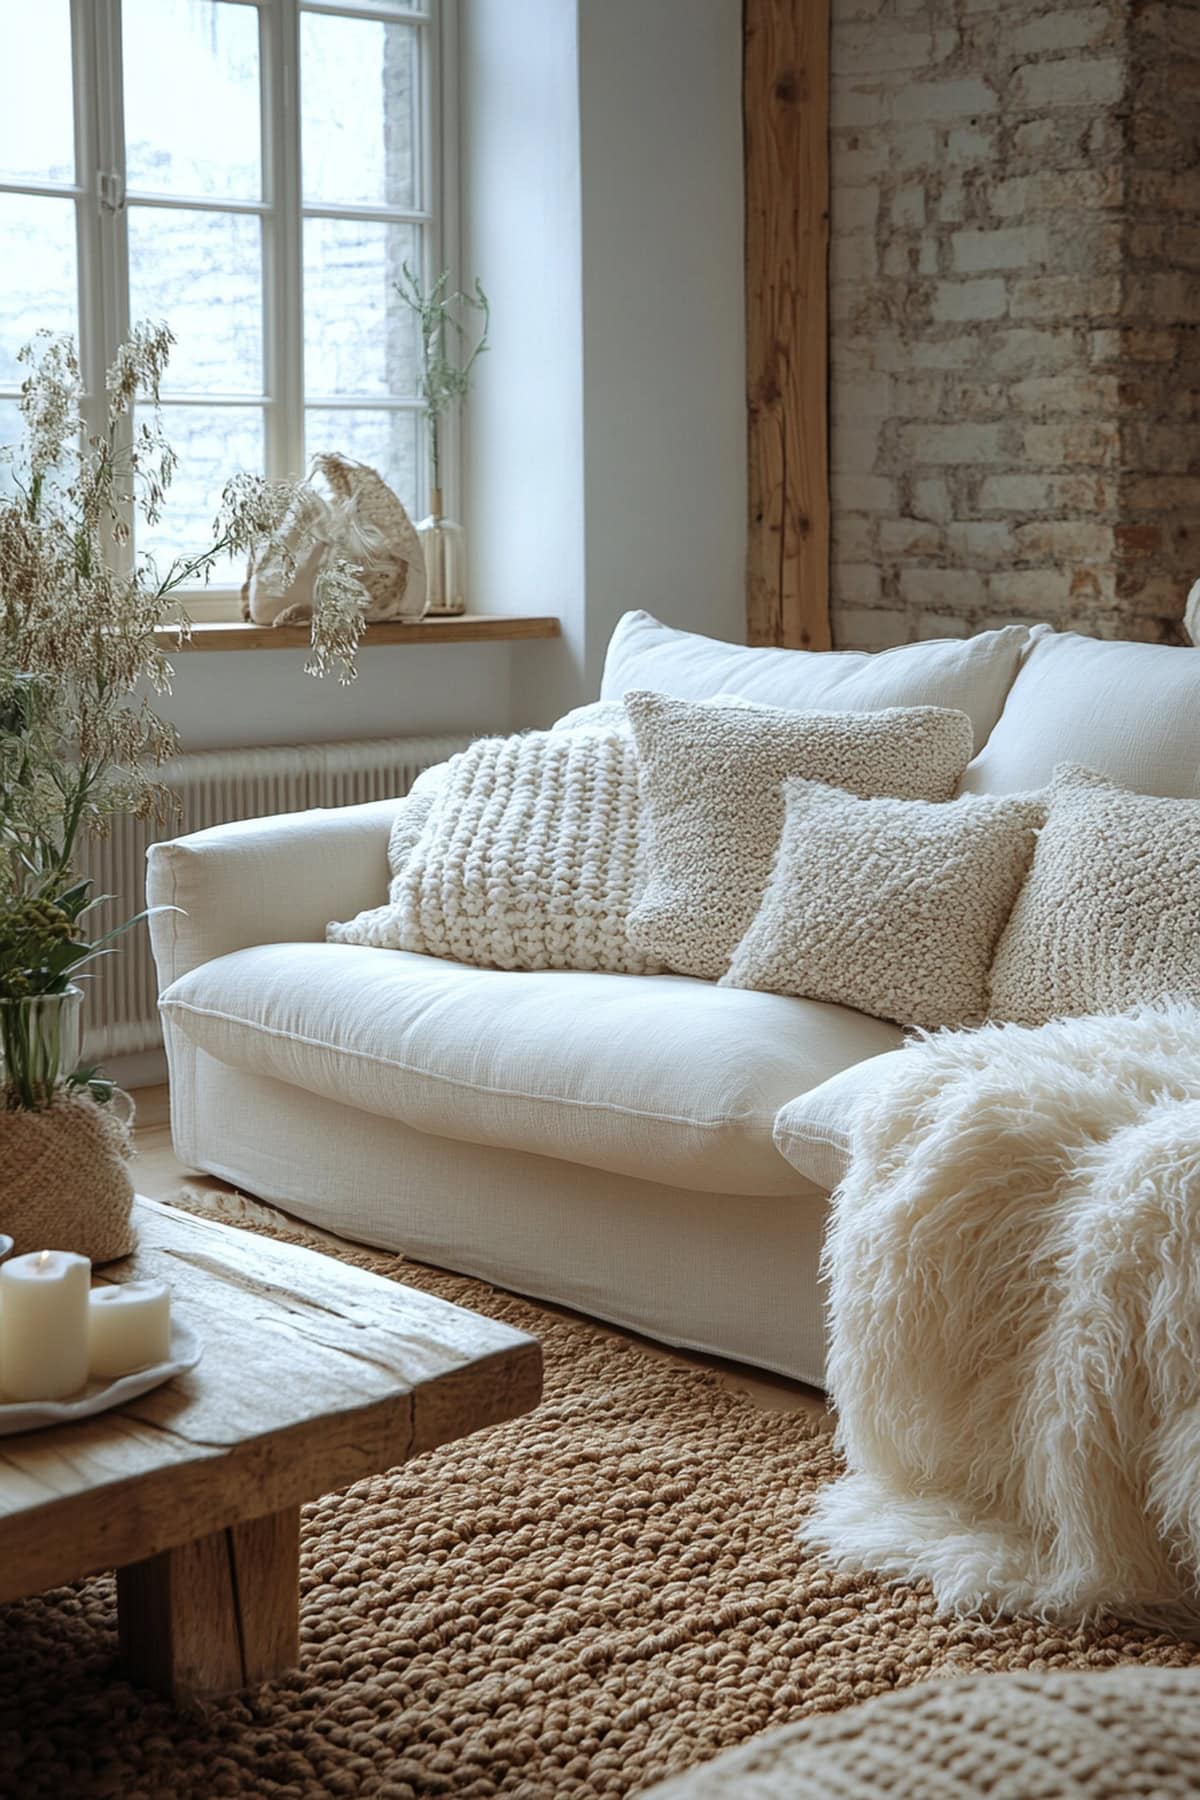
(64,1183)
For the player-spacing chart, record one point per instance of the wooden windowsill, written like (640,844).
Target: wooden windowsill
(468,628)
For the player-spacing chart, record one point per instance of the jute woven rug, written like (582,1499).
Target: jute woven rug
(575,1604)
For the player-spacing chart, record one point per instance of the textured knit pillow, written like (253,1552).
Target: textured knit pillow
(1110,914)
(529,858)
(890,906)
(711,779)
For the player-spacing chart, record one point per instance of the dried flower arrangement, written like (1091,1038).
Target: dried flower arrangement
(80,660)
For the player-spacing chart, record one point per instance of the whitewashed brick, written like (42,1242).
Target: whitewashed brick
(908,206)
(957,301)
(868,397)
(853,536)
(940,625)
(856,584)
(853,447)
(853,258)
(861,628)
(854,492)
(1091,81)
(952,444)
(853,209)
(1011,247)
(1027,348)
(863,49)
(980,540)
(1077,540)
(1015,493)
(931,499)
(959,99)
(953,591)
(964,145)
(1059,31)
(910,537)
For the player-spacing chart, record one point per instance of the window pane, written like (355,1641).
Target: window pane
(10,434)
(388,441)
(192,108)
(202,273)
(38,290)
(37,119)
(212,443)
(359,338)
(358,82)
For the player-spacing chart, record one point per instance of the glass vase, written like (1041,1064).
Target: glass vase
(39,1046)
(444,544)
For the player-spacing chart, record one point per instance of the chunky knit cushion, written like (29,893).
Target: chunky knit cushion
(528,857)
(1101,1735)
(1110,914)
(891,906)
(711,776)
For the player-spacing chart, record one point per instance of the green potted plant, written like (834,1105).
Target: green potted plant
(81,657)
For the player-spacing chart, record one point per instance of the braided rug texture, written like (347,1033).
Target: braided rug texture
(575,1604)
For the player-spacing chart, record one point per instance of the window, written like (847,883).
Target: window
(255,172)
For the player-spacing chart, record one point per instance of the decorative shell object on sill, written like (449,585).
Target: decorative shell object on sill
(346,509)
(64,1180)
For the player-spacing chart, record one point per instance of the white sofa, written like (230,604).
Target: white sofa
(656,1151)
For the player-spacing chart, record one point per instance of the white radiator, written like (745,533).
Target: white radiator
(214,788)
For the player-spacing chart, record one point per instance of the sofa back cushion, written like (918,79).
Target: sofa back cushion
(1128,711)
(970,674)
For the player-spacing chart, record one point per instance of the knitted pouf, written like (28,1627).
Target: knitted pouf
(64,1184)
(1095,1736)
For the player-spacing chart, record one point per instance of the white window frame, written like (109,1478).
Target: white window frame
(101,202)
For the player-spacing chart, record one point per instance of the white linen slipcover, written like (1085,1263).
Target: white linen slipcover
(647,1076)
(730,1274)
(813,1131)
(970,674)
(1128,711)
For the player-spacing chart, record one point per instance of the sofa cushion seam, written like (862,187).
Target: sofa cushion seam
(761,1120)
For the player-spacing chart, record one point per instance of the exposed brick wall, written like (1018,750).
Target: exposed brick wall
(1015,307)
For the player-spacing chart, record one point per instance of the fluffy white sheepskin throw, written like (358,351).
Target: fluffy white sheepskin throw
(1014,1279)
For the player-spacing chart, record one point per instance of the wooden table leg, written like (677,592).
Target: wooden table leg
(217,1614)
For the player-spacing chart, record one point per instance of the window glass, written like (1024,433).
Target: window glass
(192,105)
(359,338)
(202,273)
(37,123)
(358,110)
(39,287)
(212,443)
(387,440)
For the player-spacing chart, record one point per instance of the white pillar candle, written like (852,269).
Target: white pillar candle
(129,1328)
(44,1325)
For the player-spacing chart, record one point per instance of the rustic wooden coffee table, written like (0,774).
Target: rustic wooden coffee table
(313,1374)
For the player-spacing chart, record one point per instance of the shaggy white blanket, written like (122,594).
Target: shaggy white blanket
(1014,1279)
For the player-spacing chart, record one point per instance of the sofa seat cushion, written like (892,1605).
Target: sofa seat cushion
(660,1077)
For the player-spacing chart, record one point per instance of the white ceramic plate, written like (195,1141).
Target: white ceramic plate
(98,1396)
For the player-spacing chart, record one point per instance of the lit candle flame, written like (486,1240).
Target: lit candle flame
(43,1259)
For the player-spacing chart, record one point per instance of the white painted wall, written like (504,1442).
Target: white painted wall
(226,700)
(602,203)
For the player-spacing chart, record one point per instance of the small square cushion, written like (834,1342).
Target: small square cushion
(892,906)
(711,777)
(1109,916)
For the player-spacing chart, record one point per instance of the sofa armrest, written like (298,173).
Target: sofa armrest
(264,881)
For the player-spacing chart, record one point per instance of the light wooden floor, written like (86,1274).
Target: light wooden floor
(158,1173)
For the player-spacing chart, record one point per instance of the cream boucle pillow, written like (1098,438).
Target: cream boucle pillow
(1110,914)
(711,778)
(890,906)
(528,859)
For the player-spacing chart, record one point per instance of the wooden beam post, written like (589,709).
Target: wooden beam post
(786,112)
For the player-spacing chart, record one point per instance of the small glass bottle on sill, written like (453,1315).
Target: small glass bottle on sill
(444,543)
